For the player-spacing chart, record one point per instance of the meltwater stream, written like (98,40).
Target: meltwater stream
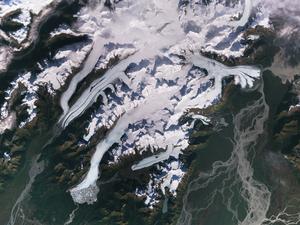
(231,184)
(17,215)
(236,175)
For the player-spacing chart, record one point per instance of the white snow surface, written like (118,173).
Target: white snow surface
(27,7)
(157,43)
(53,75)
(8,122)
(21,34)
(34,6)
(5,57)
(169,177)
(145,112)
(159,78)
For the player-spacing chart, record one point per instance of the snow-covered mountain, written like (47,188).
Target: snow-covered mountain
(141,73)
(157,46)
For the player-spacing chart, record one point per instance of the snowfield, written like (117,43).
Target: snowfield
(29,14)
(159,78)
(53,75)
(34,6)
(145,111)
(27,7)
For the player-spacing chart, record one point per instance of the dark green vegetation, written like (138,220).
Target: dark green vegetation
(117,203)
(17,140)
(27,59)
(287,125)
(258,52)
(24,143)
(68,156)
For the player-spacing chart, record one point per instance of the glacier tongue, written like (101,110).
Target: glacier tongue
(147,112)
(157,80)
(152,27)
